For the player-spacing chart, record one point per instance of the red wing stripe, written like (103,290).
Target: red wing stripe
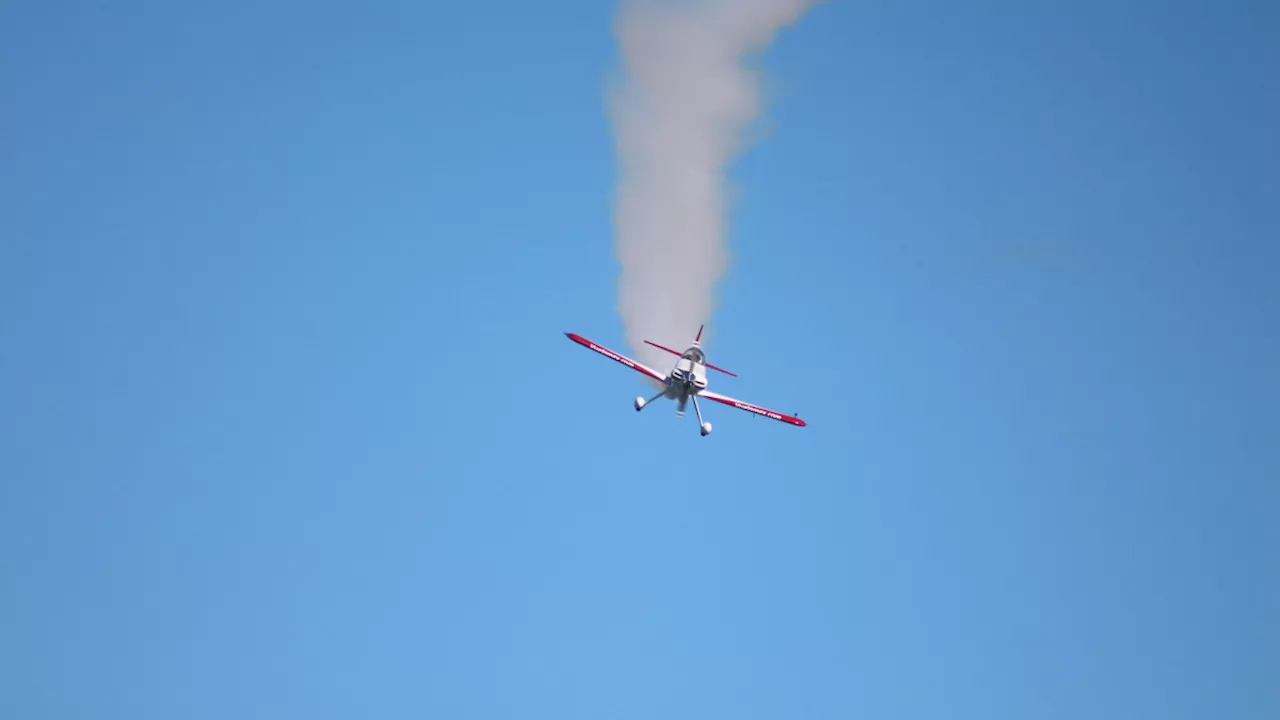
(771,414)
(614,356)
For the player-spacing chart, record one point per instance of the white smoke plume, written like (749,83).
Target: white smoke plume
(680,114)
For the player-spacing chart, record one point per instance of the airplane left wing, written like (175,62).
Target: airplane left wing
(638,367)
(765,412)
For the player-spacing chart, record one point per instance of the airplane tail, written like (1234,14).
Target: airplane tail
(697,342)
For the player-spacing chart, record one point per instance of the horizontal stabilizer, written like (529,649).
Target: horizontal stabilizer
(678,354)
(720,369)
(660,347)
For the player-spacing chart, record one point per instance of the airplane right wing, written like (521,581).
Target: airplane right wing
(765,412)
(638,367)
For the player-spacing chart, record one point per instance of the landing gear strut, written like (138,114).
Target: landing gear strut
(641,402)
(703,427)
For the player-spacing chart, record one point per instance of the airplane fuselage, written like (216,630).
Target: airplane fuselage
(689,375)
(687,378)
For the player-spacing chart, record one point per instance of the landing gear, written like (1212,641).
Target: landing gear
(641,402)
(703,426)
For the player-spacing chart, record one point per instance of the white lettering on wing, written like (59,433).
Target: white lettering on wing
(613,356)
(758,411)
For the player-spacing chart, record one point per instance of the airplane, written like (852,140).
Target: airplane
(686,381)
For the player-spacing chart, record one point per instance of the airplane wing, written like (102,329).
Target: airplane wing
(732,402)
(644,369)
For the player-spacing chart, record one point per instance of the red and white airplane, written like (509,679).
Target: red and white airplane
(686,381)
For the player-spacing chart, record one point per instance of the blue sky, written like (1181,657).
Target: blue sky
(289,427)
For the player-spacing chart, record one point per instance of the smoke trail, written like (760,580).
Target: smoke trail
(678,121)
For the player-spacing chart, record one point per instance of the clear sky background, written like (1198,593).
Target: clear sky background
(289,427)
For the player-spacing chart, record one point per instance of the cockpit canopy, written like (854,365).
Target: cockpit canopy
(695,355)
